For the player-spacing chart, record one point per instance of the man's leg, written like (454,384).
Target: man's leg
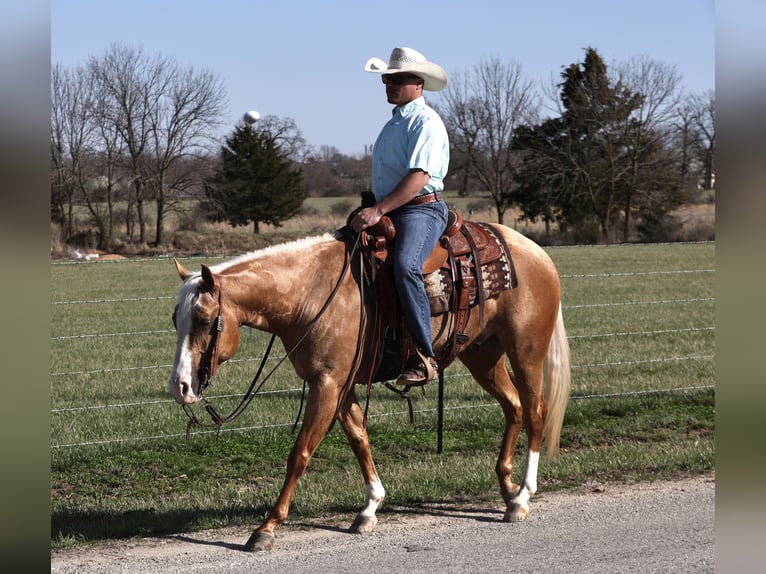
(418,229)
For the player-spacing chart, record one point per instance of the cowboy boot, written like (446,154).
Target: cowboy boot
(418,370)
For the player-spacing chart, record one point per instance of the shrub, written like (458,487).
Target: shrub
(481,205)
(341,208)
(192,219)
(659,228)
(308,211)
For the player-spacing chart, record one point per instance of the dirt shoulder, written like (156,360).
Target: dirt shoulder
(621,527)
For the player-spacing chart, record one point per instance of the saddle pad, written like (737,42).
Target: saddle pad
(497,274)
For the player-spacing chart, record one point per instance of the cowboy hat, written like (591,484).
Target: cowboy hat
(410,61)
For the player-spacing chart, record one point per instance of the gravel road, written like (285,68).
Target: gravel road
(609,528)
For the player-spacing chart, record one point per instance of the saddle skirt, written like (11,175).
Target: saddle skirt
(493,274)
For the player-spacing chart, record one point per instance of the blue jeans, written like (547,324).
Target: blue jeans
(418,229)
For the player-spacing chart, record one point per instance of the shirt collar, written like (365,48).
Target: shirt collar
(410,107)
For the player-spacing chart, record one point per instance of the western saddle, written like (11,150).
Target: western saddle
(465,248)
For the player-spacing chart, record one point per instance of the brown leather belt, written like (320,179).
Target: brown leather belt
(425,198)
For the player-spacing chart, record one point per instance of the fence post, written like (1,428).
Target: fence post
(440,420)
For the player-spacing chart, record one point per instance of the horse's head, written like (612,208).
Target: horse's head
(208,334)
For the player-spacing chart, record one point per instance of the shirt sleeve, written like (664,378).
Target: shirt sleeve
(429,146)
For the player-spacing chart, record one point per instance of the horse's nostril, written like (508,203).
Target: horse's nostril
(184,389)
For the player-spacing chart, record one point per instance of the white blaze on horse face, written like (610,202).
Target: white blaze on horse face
(182,379)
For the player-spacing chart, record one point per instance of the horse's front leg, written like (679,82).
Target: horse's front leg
(350,418)
(320,409)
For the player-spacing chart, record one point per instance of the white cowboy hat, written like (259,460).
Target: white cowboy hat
(411,61)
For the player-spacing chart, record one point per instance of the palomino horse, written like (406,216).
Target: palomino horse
(284,290)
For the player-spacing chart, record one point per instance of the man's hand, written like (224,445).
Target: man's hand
(408,188)
(365,218)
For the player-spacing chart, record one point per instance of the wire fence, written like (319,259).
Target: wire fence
(91,335)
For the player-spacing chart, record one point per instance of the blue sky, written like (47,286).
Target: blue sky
(304,59)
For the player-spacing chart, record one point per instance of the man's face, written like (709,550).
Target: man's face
(402,88)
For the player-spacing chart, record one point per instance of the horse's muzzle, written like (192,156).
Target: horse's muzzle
(182,392)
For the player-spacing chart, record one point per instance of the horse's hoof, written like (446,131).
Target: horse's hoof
(515,513)
(363,524)
(259,541)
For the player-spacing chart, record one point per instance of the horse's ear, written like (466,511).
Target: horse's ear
(183,273)
(207,278)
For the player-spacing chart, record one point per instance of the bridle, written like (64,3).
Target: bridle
(209,367)
(209,360)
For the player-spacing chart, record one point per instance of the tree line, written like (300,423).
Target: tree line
(602,148)
(619,145)
(128,127)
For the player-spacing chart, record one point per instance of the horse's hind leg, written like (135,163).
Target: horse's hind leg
(350,418)
(487,365)
(528,378)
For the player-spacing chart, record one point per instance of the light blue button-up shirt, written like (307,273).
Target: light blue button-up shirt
(414,138)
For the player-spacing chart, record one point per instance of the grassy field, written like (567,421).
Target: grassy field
(640,321)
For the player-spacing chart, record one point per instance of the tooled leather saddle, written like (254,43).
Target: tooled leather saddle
(470,263)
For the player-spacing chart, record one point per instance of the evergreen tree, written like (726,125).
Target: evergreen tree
(593,162)
(255,181)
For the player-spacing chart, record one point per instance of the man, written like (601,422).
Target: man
(409,163)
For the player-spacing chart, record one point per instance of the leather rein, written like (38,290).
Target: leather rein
(209,361)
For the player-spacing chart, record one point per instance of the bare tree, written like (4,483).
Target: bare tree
(62,185)
(72,144)
(704,120)
(659,87)
(131,84)
(685,144)
(86,150)
(328,153)
(153,115)
(481,109)
(179,127)
(287,136)
(109,152)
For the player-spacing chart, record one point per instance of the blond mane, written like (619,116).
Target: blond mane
(275,250)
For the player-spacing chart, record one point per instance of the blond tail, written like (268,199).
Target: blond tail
(558,380)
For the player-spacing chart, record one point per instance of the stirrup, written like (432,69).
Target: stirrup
(418,373)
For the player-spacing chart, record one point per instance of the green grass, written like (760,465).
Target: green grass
(643,404)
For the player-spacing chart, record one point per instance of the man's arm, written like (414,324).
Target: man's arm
(410,186)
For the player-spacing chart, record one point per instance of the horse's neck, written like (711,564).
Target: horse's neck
(280,289)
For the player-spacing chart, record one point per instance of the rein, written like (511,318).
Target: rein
(210,365)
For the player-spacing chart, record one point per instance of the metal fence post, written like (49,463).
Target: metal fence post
(440,421)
